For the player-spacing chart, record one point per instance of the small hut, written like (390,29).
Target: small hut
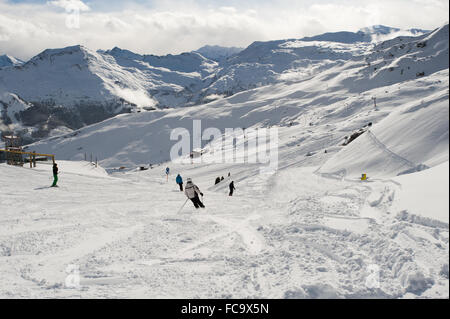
(13,144)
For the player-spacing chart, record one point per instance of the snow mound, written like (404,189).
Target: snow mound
(424,194)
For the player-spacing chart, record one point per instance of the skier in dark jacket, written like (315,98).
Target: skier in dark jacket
(192,192)
(167,173)
(221,179)
(217,181)
(179,181)
(232,188)
(55,175)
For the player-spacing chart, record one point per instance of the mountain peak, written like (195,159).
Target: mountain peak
(78,51)
(216,52)
(379,29)
(7,60)
(66,50)
(122,53)
(368,34)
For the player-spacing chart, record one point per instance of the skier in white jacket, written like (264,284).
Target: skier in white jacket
(192,192)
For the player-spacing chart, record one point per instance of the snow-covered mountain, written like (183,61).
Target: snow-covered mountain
(378,30)
(65,89)
(368,34)
(76,86)
(7,60)
(218,53)
(404,74)
(264,63)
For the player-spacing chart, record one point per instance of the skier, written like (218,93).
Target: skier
(179,181)
(192,191)
(55,175)
(221,179)
(167,173)
(217,181)
(229,174)
(232,188)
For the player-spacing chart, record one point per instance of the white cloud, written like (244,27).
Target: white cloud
(176,26)
(230,10)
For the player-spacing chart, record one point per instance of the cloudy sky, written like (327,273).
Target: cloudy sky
(173,26)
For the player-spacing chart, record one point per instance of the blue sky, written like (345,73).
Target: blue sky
(94,4)
(174,26)
(103,4)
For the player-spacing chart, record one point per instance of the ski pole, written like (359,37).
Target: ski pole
(182,206)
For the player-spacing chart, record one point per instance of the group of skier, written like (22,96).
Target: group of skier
(191,190)
(219,179)
(230,186)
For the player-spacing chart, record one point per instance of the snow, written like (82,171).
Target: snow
(293,234)
(59,75)
(374,33)
(412,134)
(425,193)
(15,105)
(217,53)
(7,60)
(70,167)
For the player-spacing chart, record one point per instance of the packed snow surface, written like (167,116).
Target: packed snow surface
(293,234)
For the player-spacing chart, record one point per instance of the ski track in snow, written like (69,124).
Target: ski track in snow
(280,236)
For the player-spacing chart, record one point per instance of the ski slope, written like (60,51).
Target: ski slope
(293,234)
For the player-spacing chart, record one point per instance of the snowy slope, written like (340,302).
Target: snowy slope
(74,86)
(169,80)
(264,63)
(369,34)
(7,60)
(11,106)
(415,134)
(270,62)
(412,137)
(424,194)
(67,77)
(218,53)
(293,234)
(77,75)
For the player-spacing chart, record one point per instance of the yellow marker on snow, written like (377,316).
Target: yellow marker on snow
(364,177)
